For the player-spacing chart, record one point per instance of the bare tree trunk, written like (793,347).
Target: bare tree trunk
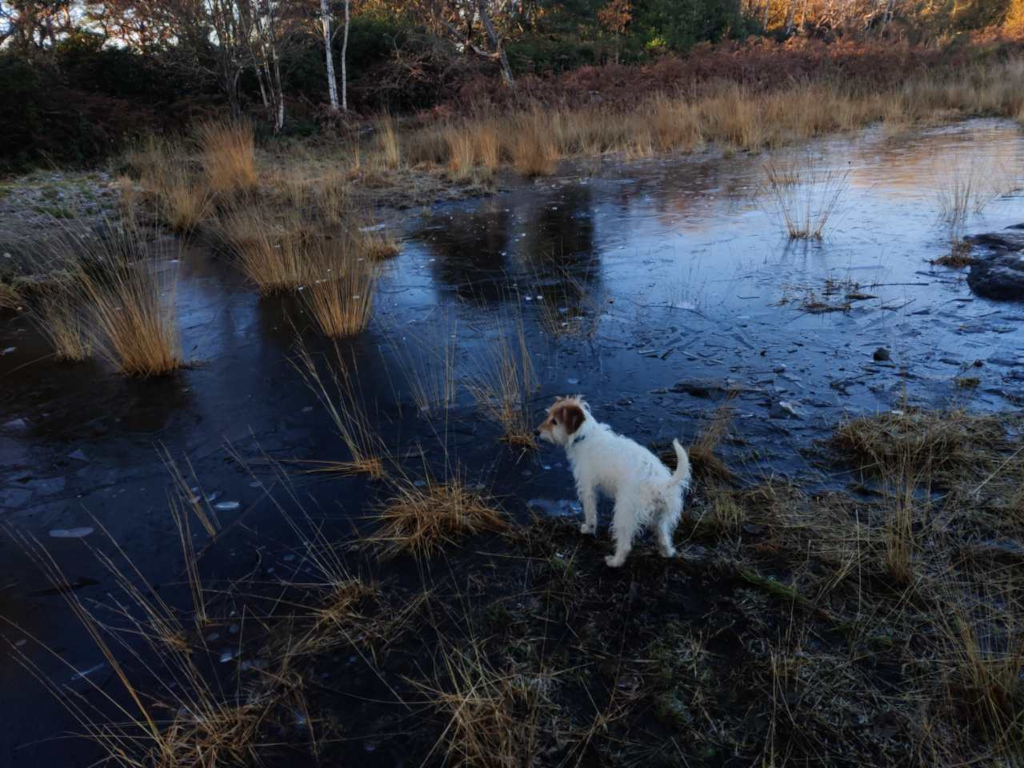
(499,50)
(344,60)
(263,87)
(332,82)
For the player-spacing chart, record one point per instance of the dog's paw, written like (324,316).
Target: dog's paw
(667,553)
(613,562)
(588,528)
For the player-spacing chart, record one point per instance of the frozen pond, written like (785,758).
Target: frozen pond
(655,289)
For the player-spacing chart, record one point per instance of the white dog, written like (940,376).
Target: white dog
(616,466)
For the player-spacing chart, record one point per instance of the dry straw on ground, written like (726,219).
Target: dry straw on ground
(423,517)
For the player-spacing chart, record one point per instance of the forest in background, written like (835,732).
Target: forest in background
(81,80)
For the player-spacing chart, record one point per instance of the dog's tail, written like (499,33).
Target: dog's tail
(682,474)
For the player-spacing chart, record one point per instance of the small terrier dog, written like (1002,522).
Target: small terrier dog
(602,461)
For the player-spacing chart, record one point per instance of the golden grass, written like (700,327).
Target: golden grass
(189,722)
(62,319)
(959,255)
(921,444)
(461,153)
(273,252)
(341,286)
(229,157)
(129,305)
(955,194)
(184,200)
(422,518)
(705,463)
(804,199)
(390,152)
(137,325)
(496,718)
(378,245)
(533,148)
(336,391)
(732,117)
(502,382)
(10,299)
(982,657)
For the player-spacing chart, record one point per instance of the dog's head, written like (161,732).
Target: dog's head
(564,420)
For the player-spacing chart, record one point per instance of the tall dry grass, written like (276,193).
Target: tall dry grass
(422,517)
(427,360)
(133,310)
(804,198)
(340,288)
(333,382)
(229,157)
(378,244)
(272,249)
(129,305)
(62,319)
(496,717)
(186,720)
(731,116)
(533,148)
(184,199)
(10,299)
(503,381)
(388,146)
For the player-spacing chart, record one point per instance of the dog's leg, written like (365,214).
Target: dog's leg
(667,522)
(588,498)
(624,527)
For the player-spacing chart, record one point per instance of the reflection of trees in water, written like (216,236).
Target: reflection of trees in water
(471,250)
(518,246)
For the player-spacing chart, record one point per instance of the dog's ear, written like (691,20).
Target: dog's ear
(573,416)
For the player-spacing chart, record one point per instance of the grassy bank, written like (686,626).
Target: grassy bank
(879,624)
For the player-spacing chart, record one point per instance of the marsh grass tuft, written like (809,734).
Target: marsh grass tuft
(378,245)
(804,199)
(428,363)
(534,152)
(61,316)
(133,310)
(340,290)
(273,252)
(503,381)
(229,157)
(421,518)
(707,466)
(926,444)
(187,722)
(129,303)
(10,299)
(389,149)
(959,255)
(184,200)
(335,388)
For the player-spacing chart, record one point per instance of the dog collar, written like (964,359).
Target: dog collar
(577,440)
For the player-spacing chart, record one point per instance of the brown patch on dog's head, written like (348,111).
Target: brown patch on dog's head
(564,418)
